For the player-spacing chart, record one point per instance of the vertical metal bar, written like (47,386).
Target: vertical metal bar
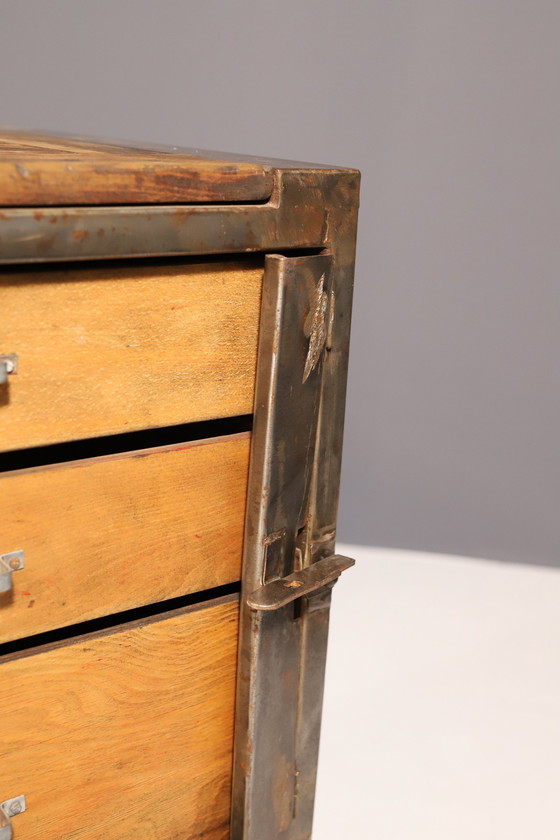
(291,518)
(288,394)
(323,509)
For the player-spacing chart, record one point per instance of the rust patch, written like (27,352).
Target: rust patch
(276,535)
(44,245)
(283,794)
(80,234)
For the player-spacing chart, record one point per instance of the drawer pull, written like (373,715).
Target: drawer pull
(8,809)
(12,562)
(8,365)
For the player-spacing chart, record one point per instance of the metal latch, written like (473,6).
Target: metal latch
(12,562)
(277,593)
(8,365)
(8,809)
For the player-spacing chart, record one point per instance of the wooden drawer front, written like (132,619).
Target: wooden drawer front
(108,350)
(127,735)
(109,534)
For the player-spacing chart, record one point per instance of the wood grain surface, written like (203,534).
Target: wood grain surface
(109,534)
(127,735)
(40,171)
(112,349)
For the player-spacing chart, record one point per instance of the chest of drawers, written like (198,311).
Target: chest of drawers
(173,349)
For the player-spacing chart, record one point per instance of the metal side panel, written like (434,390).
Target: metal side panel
(288,545)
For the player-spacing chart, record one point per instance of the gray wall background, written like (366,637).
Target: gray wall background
(451,110)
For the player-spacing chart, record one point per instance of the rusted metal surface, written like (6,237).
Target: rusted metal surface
(318,538)
(281,591)
(299,215)
(286,414)
(291,525)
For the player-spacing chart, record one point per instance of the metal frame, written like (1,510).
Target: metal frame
(300,214)
(289,560)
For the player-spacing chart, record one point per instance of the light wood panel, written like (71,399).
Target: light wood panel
(125,736)
(112,349)
(37,170)
(104,535)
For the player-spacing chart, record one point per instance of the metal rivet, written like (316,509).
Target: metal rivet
(14,564)
(15,809)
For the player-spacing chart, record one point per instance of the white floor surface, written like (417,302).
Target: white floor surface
(442,702)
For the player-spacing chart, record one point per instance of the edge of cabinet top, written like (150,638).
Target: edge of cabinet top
(39,169)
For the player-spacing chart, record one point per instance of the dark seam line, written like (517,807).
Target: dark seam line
(115,620)
(78,450)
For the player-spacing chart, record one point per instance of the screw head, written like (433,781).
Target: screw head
(15,809)
(14,563)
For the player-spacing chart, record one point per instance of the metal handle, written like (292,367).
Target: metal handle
(277,593)
(8,366)
(11,562)
(8,809)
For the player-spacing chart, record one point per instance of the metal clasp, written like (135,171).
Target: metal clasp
(277,593)
(12,562)
(8,366)
(8,809)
